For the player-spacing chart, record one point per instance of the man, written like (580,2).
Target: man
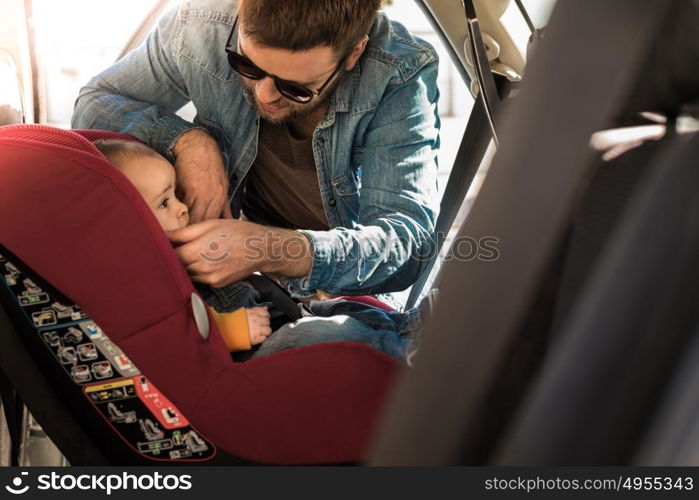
(317,118)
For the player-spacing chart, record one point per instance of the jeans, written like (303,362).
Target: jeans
(393,333)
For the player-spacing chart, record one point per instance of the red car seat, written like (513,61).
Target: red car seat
(73,222)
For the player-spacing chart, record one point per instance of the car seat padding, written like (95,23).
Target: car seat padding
(77,222)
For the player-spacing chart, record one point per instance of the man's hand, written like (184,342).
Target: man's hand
(219,252)
(258,324)
(201,176)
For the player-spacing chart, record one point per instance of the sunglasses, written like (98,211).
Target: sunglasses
(292,91)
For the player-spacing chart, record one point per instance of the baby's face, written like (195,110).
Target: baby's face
(154,178)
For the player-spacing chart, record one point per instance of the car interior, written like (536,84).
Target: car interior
(576,344)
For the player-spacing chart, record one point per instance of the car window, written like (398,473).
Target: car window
(539,12)
(11,111)
(82,44)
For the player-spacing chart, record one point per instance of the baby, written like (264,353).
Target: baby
(154,178)
(236,307)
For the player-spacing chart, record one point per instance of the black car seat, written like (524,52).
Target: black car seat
(483,386)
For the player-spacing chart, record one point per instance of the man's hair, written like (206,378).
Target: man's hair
(298,25)
(117,150)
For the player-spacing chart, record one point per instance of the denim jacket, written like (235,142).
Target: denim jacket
(375,149)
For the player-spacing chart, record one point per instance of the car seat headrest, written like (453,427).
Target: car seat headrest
(668,81)
(79,139)
(49,135)
(58,192)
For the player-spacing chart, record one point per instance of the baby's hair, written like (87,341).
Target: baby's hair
(117,150)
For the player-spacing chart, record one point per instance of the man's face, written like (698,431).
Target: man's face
(309,68)
(154,178)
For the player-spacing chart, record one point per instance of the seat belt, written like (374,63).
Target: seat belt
(281,299)
(487,91)
(468,159)
(472,147)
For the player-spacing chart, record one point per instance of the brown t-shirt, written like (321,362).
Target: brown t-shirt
(282,187)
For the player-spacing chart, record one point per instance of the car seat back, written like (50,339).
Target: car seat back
(492,342)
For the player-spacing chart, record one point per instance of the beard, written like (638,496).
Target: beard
(288,110)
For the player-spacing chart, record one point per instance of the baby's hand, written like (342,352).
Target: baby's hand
(258,323)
